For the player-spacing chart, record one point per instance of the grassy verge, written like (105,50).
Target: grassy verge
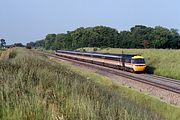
(162,61)
(44,50)
(33,87)
(1,50)
(162,109)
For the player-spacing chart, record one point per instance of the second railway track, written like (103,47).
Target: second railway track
(157,81)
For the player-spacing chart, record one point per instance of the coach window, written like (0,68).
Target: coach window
(95,56)
(87,55)
(108,58)
(117,59)
(128,61)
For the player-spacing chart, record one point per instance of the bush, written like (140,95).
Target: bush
(82,50)
(95,49)
(29,47)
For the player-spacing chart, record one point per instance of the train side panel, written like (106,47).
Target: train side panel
(114,62)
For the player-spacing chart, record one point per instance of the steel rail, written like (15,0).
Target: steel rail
(162,78)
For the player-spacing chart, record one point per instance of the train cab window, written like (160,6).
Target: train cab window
(138,61)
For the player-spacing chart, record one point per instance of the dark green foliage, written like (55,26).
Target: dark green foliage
(40,43)
(3,42)
(18,45)
(50,41)
(95,49)
(29,47)
(100,36)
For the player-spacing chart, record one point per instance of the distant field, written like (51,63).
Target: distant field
(34,87)
(163,62)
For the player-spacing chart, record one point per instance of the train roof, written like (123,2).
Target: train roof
(100,54)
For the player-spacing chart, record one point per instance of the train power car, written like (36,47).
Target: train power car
(128,62)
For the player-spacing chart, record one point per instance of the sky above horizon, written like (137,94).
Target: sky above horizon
(30,20)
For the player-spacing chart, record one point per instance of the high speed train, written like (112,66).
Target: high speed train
(128,62)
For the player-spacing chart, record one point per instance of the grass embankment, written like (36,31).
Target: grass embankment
(162,61)
(1,50)
(33,87)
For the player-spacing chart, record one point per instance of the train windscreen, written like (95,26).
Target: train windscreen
(138,61)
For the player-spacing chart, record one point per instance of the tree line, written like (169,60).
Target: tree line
(138,36)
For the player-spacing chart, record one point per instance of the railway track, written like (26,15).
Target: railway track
(157,81)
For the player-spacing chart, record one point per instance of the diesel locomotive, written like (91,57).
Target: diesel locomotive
(128,62)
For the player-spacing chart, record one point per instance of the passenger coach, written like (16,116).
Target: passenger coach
(133,63)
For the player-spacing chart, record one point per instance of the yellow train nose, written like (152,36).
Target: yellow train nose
(139,68)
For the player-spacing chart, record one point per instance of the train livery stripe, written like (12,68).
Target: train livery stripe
(129,65)
(94,59)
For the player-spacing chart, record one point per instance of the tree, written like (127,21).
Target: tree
(141,35)
(28,46)
(138,36)
(145,43)
(49,41)
(3,42)
(40,43)
(60,41)
(18,45)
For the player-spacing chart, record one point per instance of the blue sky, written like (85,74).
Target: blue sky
(30,20)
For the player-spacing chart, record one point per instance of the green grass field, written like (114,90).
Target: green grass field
(34,87)
(164,62)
